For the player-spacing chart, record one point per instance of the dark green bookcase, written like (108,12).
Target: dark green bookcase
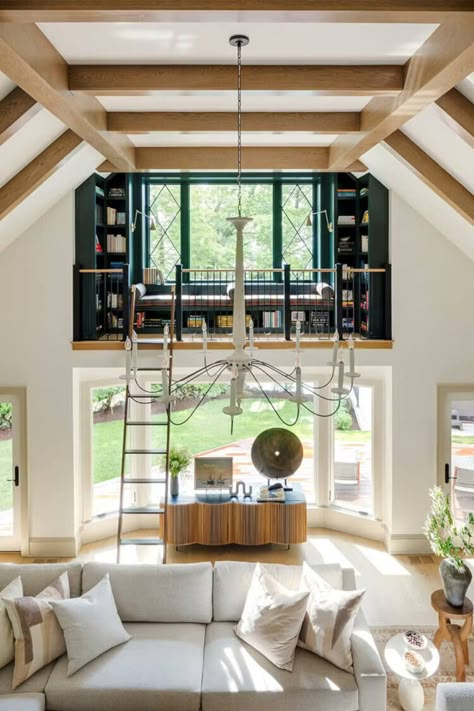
(102,298)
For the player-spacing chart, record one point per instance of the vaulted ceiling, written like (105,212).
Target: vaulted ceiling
(150,85)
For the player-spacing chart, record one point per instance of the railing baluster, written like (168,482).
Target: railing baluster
(287,303)
(179,302)
(338,302)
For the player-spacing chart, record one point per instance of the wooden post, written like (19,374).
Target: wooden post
(287,305)
(179,303)
(338,304)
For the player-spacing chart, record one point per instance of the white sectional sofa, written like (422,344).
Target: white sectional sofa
(184,655)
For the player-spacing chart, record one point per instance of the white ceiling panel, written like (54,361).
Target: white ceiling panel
(442,144)
(6,85)
(225,138)
(227,101)
(466,87)
(277,43)
(28,142)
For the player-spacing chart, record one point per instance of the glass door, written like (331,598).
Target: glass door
(10,473)
(457,449)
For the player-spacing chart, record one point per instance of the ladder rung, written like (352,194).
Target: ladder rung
(141,541)
(142,396)
(151,370)
(143,480)
(143,510)
(145,451)
(138,423)
(149,341)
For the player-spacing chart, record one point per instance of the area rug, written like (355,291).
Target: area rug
(446,670)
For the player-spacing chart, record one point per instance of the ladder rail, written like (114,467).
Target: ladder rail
(127,451)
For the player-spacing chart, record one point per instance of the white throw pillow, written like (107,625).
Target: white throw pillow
(91,625)
(7,642)
(329,619)
(272,618)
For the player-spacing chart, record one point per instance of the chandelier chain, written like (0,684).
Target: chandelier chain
(239,126)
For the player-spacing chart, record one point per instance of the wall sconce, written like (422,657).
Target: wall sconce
(133,226)
(320,212)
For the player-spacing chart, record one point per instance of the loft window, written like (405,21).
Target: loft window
(164,230)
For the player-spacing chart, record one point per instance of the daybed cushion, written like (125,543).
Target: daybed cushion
(22,702)
(238,678)
(35,577)
(34,685)
(232,581)
(159,668)
(151,593)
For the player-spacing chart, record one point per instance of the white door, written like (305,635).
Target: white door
(10,471)
(456,448)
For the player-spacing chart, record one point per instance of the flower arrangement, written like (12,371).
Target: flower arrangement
(447,540)
(178,461)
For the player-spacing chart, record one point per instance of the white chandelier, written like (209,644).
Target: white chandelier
(242,361)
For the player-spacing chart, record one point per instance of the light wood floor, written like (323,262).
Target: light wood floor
(398,587)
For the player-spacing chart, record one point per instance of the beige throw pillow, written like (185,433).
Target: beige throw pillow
(7,643)
(329,619)
(38,637)
(272,617)
(91,624)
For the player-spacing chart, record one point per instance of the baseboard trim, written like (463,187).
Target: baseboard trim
(408,544)
(53,547)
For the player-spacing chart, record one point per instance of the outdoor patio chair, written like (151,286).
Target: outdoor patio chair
(463,480)
(347,473)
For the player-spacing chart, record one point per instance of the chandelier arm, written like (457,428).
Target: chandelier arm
(310,390)
(197,373)
(320,414)
(290,375)
(177,424)
(284,422)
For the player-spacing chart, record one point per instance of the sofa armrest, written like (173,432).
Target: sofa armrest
(453,696)
(369,671)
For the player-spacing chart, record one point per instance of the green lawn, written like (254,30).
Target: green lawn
(5,473)
(208,429)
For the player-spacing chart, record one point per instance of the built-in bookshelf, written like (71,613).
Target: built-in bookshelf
(103,244)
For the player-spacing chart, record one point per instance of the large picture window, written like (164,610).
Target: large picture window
(213,237)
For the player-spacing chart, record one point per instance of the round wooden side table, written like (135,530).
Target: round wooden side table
(456,634)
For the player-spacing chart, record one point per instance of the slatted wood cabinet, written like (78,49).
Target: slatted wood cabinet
(242,521)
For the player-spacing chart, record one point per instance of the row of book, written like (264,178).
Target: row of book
(116,243)
(114,217)
(114,321)
(99,214)
(116,192)
(271,319)
(114,300)
(346,192)
(346,220)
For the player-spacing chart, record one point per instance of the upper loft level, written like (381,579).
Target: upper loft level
(316,252)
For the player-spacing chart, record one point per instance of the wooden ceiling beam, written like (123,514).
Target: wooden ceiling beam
(16,109)
(442,61)
(31,61)
(224,158)
(35,173)
(136,80)
(432,174)
(135,122)
(230,10)
(458,113)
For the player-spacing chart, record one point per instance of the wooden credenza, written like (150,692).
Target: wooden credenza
(242,521)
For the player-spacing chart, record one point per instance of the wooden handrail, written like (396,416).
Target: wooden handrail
(216,271)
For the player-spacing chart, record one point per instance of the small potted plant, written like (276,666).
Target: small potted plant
(179,460)
(452,543)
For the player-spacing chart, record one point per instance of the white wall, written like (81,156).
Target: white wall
(434,344)
(36,328)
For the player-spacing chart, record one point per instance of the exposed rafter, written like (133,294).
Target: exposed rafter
(15,110)
(31,61)
(133,80)
(146,122)
(458,113)
(229,10)
(219,158)
(432,174)
(442,61)
(35,173)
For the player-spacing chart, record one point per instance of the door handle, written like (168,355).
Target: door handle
(16,478)
(447,475)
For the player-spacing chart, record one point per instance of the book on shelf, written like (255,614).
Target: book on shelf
(347,322)
(346,192)
(298,316)
(116,193)
(98,246)
(365,218)
(271,319)
(346,220)
(114,321)
(347,294)
(114,217)
(121,218)
(114,300)
(153,275)
(320,320)
(99,214)
(195,321)
(364,243)
(227,321)
(116,243)
(99,191)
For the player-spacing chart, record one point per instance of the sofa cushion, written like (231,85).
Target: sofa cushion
(150,593)
(22,702)
(453,696)
(237,677)
(34,685)
(7,646)
(159,668)
(35,577)
(232,581)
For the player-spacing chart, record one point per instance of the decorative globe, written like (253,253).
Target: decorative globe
(277,453)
